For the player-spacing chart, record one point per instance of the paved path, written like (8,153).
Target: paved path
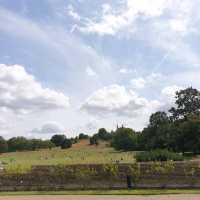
(104,197)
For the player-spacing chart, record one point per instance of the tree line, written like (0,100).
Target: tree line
(59,140)
(23,144)
(177,130)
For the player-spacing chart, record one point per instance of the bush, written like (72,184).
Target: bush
(67,143)
(158,155)
(36,144)
(58,140)
(3,145)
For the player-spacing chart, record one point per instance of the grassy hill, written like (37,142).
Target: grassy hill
(80,153)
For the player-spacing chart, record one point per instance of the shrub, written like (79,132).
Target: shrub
(58,139)
(158,155)
(36,144)
(3,145)
(67,143)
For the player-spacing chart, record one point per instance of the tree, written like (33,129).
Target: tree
(3,145)
(157,119)
(58,140)
(125,139)
(156,134)
(187,103)
(103,134)
(67,143)
(189,138)
(83,136)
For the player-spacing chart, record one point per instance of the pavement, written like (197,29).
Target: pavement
(104,197)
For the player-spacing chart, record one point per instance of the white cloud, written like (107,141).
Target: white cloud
(143,82)
(165,25)
(178,25)
(113,20)
(21,93)
(90,71)
(49,128)
(123,71)
(116,19)
(138,83)
(122,105)
(4,125)
(61,52)
(167,22)
(106,8)
(72,13)
(60,44)
(185,78)
(174,33)
(117,100)
(126,70)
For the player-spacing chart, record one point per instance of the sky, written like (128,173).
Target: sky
(72,66)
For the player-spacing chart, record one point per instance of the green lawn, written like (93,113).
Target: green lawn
(22,161)
(108,192)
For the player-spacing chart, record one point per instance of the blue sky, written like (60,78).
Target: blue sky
(73,66)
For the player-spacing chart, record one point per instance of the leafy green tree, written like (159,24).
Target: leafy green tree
(189,139)
(187,103)
(67,143)
(125,139)
(156,135)
(58,140)
(3,145)
(157,119)
(103,134)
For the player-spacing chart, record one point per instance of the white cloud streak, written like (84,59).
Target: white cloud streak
(112,21)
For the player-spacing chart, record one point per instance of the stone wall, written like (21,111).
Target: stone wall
(109,176)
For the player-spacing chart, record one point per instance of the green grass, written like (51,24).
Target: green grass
(22,161)
(108,192)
